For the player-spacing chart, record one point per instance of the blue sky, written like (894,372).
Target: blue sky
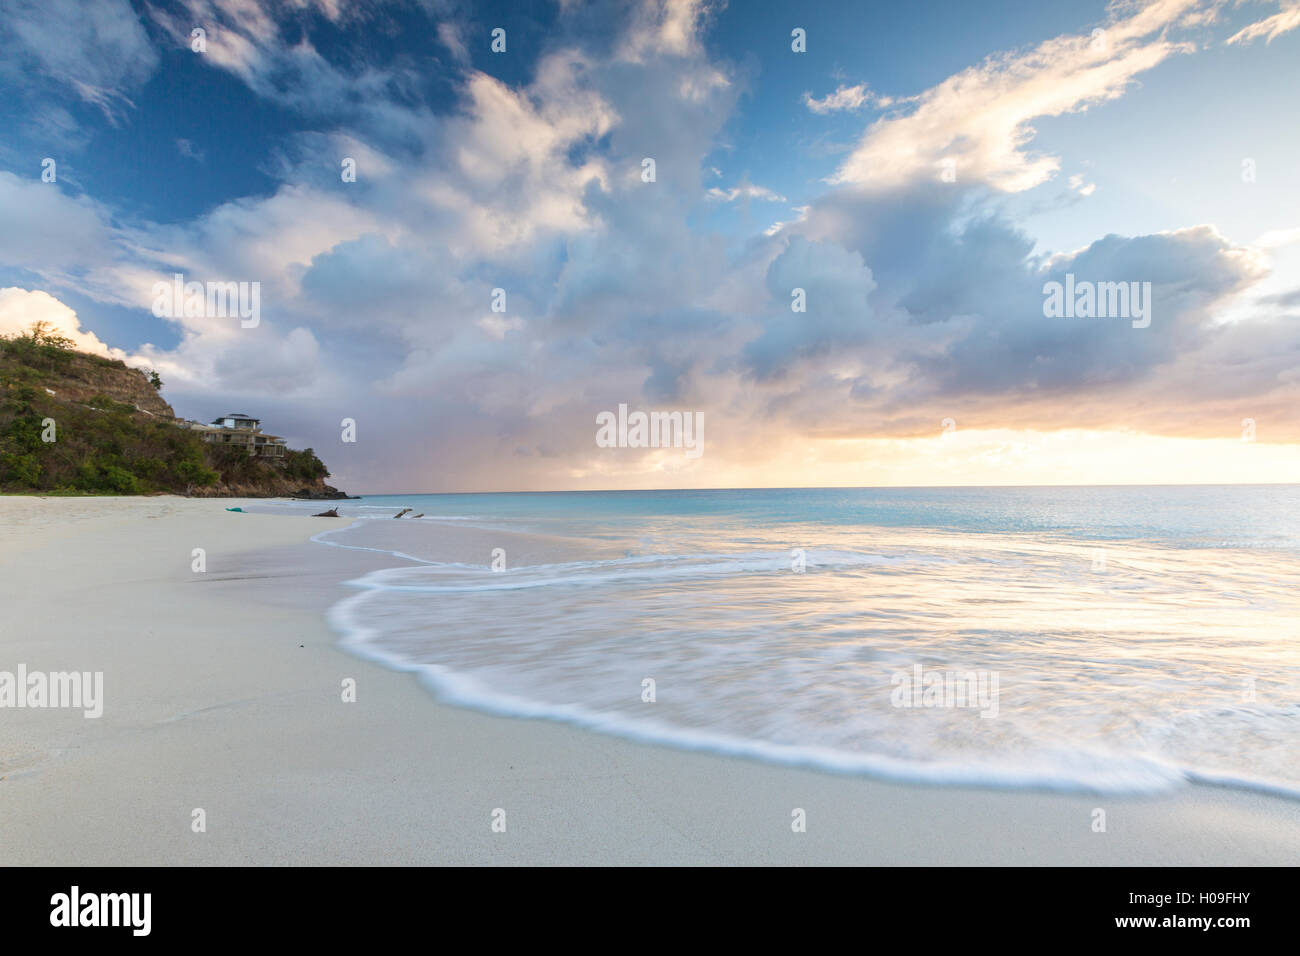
(1119,152)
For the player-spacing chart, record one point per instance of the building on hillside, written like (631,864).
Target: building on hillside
(242,431)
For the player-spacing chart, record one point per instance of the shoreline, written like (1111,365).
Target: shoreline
(223,693)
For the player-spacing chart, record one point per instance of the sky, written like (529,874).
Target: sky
(459,249)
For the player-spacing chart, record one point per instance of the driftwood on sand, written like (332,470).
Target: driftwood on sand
(332,513)
(402,512)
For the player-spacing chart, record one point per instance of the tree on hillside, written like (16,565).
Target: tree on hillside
(40,346)
(43,334)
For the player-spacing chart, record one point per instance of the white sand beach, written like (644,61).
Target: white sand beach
(222,691)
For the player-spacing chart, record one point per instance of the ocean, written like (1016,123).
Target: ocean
(1102,639)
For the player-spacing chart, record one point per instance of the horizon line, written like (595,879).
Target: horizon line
(599,491)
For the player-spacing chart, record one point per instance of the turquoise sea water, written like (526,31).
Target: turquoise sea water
(1125,639)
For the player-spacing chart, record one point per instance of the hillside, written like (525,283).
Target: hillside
(114,434)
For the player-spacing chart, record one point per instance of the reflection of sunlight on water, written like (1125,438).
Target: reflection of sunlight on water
(1146,659)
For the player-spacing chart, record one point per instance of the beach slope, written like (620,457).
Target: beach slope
(223,702)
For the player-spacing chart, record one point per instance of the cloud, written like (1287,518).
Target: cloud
(978,120)
(187,149)
(835,285)
(664,27)
(922,302)
(19,308)
(449,35)
(1078,185)
(508,155)
(1289,299)
(745,191)
(252,361)
(1284,21)
(245,38)
(952,324)
(68,240)
(98,50)
(845,98)
(1277,238)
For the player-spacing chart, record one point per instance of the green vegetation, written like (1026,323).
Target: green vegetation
(40,347)
(304,466)
(96,444)
(101,446)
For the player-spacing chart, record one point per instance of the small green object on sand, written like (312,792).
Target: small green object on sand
(240,510)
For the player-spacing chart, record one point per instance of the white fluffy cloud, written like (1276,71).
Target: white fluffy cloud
(19,308)
(977,122)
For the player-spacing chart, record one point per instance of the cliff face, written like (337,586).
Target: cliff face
(74,422)
(270,486)
(87,376)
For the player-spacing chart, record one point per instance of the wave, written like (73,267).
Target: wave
(609,571)
(1067,771)
(1059,768)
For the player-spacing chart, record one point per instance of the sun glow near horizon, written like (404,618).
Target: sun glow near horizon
(974,457)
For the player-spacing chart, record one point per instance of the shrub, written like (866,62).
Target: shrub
(23,432)
(98,475)
(41,346)
(22,471)
(196,473)
(304,465)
